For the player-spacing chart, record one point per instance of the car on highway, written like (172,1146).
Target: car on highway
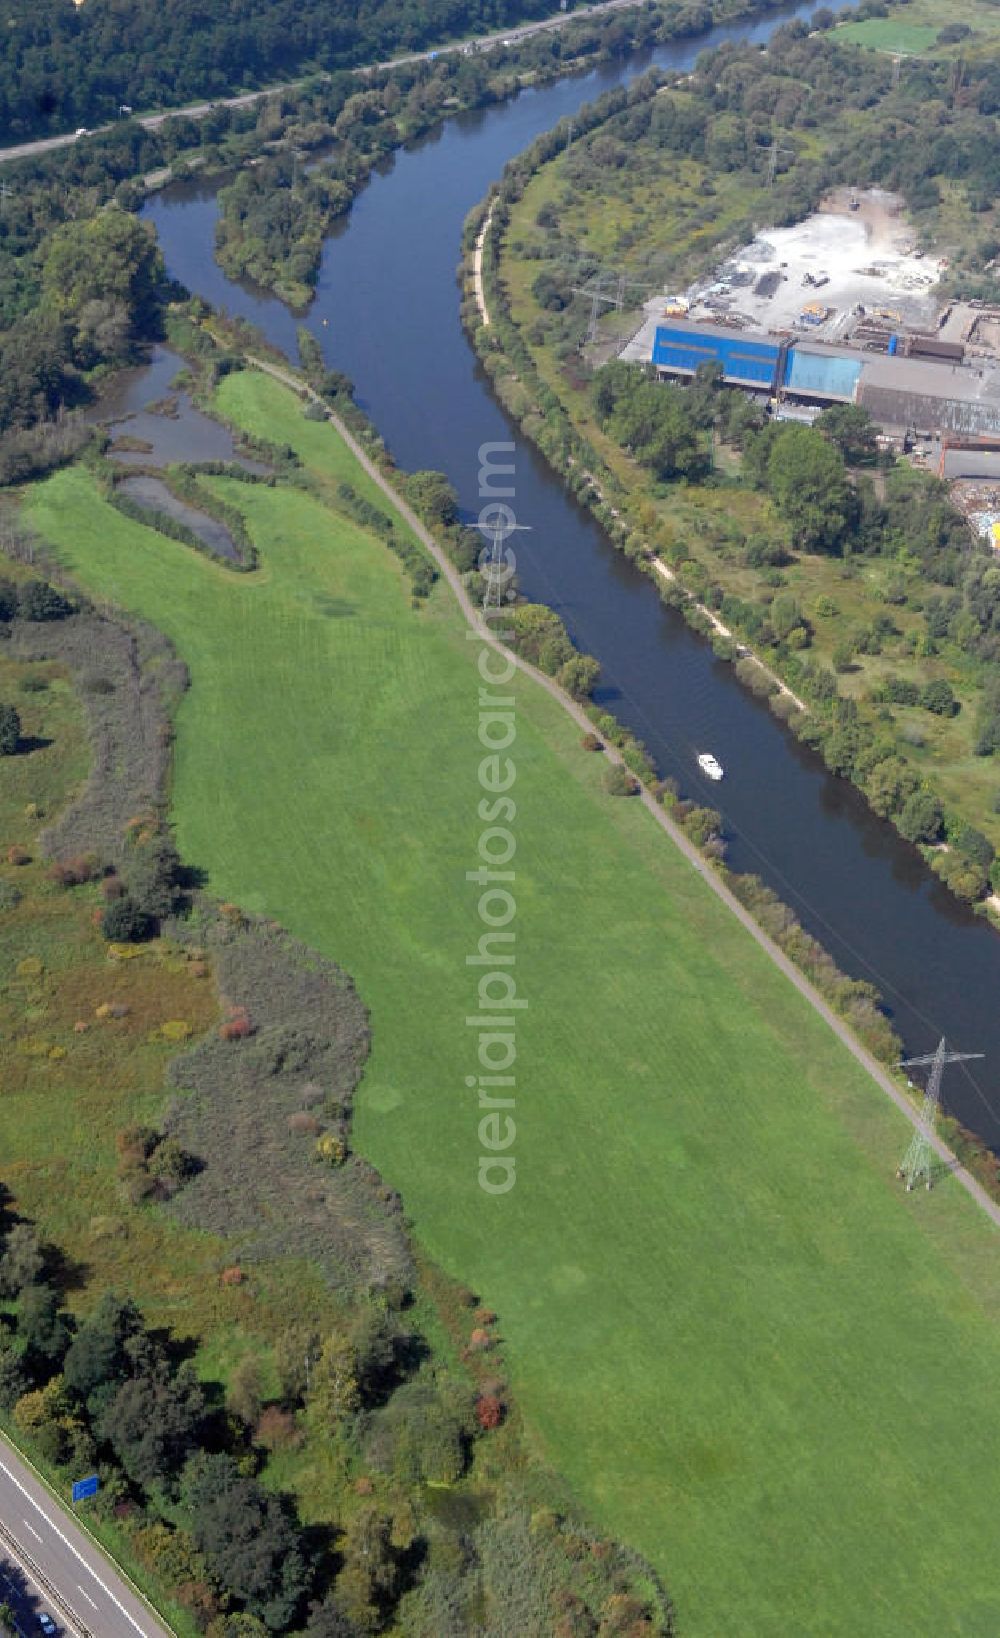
(46,1624)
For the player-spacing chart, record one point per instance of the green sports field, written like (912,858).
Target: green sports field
(748,1352)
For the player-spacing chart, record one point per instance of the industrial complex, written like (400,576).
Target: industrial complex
(840,309)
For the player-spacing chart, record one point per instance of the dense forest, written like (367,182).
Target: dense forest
(64,66)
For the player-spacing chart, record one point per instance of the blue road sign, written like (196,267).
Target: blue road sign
(86,1487)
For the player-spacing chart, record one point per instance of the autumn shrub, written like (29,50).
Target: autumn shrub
(276,1429)
(489,1411)
(75,871)
(237,1026)
(591,742)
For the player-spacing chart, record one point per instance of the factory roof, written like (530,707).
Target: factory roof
(933,379)
(720,332)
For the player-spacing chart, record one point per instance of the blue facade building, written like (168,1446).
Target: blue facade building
(681,348)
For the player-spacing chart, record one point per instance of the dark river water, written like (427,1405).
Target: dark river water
(386,313)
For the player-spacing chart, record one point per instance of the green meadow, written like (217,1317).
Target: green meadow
(890,34)
(748,1352)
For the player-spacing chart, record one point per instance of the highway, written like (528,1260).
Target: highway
(198,110)
(48,1563)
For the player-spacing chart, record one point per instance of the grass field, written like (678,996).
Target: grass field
(915,26)
(749,1353)
(890,34)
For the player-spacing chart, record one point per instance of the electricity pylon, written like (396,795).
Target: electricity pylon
(917,1163)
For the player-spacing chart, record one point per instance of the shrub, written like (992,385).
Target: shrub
(276,1429)
(18,855)
(489,1411)
(75,871)
(37,600)
(938,697)
(10,730)
(619,782)
(330,1149)
(591,742)
(237,1026)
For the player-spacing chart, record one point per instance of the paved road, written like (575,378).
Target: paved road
(55,1566)
(475,619)
(198,110)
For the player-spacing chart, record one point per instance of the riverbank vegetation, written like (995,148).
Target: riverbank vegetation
(277,796)
(852,578)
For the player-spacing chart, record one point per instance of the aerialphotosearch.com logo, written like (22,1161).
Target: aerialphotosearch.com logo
(497,1001)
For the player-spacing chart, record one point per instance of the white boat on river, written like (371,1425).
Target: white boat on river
(708,765)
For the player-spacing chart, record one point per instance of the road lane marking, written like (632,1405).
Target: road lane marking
(143,1633)
(34,1532)
(16,1552)
(86,1595)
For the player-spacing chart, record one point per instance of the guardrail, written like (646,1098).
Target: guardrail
(38,1575)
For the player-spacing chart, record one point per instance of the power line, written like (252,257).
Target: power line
(918,1162)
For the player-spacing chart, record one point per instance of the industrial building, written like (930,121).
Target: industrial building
(917,385)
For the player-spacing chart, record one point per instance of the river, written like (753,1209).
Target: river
(386,313)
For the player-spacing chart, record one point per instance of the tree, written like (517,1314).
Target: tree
(966,877)
(244,1394)
(434,498)
(97,1359)
(153,874)
(246,1537)
(973,844)
(334,1391)
(852,429)
(152,1421)
(42,1326)
(326,1621)
(22,1260)
(296,1354)
(580,675)
(124,923)
(103,275)
(10,730)
(13,1376)
(369,1582)
(785,616)
(920,818)
(890,785)
(806,479)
